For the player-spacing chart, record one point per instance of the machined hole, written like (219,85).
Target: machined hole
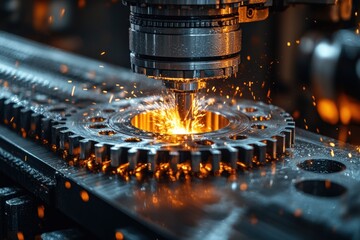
(154,122)
(83,103)
(107,132)
(108,110)
(261,118)
(238,137)
(258,126)
(133,139)
(205,142)
(249,109)
(321,188)
(98,126)
(323,166)
(97,119)
(57,110)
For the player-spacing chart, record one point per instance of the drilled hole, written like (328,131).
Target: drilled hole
(322,166)
(133,139)
(98,126)
(261,118)
(238,137)
(109,110)
(320,188)
(107,132)
(205,142)
(249,109)
(258,126)
(83,103)
(58,110)
(97,119)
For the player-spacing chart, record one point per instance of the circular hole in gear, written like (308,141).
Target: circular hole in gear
(108,110)
(107,132)
(205,142)
(155,122)
(238,137)
(261,118)
(322,166)
(249,109)
(258,126)
(133,139)
(58,110)
(98,126)
(97,119)
(321,188)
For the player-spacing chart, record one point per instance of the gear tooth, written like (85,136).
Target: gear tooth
(280,143)
(289,133)
(115,155)
(8,115)
(162,156)
(35,125)
(195,161)
(174,160)
(74,145)
(25,119)
(271,149)
(133,158)
(55,134)
(246,154)
(260,152)
(215,160)
(289,121)
(64,139)
(85,148)
(292,129)
(46,124)
(151,159)
(101,152)
(16,110)
(229,155)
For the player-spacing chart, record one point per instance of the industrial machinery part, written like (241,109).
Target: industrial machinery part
(242,135)
(184,43)
(341,55)
(307,191)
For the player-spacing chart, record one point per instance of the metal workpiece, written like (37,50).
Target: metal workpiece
(244,175)
(243,134)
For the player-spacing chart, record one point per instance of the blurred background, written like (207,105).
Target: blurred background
(276,54)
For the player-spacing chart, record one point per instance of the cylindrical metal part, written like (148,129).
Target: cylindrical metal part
(191,40)
(184,102)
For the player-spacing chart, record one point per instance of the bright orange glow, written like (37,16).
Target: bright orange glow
(119,236)
(328,111)
(243,187)
(168,121)
(41,211)
(67,185)
(81,3)
(345,114)
(20,236)
(84,196)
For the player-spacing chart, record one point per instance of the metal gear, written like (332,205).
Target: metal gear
(103,134)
